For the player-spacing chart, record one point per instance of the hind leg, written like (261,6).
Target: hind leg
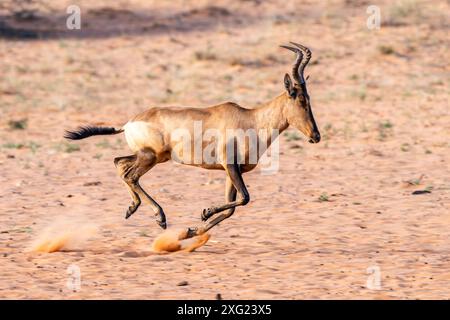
(122,163)
(130,169)
(159,212)
(135,203)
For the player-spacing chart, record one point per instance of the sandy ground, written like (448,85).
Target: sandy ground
(311,231)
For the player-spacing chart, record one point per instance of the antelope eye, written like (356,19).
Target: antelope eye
(293,93)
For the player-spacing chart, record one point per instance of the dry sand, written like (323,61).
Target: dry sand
(312,230)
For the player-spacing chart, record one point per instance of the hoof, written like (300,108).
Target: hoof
(129,213)
(206,214)
(162,224)
(191,232)
(132,209)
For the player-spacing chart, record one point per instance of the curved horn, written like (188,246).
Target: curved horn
(295,66)
(305,61)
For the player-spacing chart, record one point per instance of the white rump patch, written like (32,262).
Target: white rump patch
(140,134)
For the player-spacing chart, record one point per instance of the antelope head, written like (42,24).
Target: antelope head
(298,111)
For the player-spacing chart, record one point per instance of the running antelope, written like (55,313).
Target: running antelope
(150,136)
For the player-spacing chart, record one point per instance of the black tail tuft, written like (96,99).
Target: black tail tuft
(87,131)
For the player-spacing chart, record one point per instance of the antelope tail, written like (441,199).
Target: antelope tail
(88,131)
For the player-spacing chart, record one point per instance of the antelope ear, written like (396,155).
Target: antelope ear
(288,85)
(287,82)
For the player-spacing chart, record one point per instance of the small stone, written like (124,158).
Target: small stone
(182,283)
(94,183)
(421,192)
